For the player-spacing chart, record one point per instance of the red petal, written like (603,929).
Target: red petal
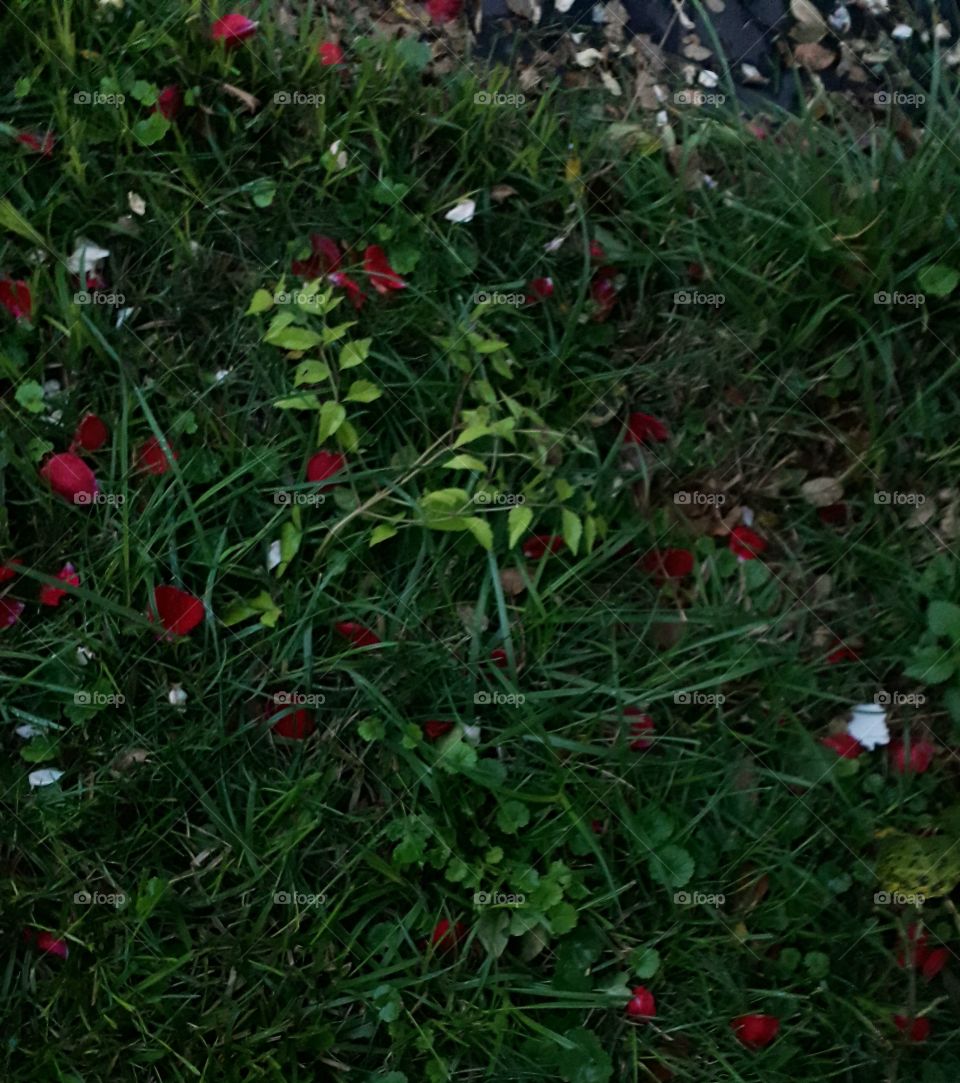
(645,429)
(746,543)
(70,477)
(46,943)
(446,936)
(664,564)
(433,731)
(50,595)
(169,102)
(597,252)
(382,276)
(233,29)
(358,634)
(935,962)
(324,465)
(539,289)
(604,294)
(354,293)
(921,756)
(15,298)
(179,612)
(845,746)
(39,144)
(916,1030)
(295,725)
(152,457)
(499,658)
(325,257)
(10,611)
(642,1004)
(444,11)
(330,53)
(9,570)
(755,1031)
(539,545)
(91,433)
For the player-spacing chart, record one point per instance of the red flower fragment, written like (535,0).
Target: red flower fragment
(641,1004)
(16,298)
(645,429)
(537,546)
(746,543)
(325,257)
(382,276)
(70,477)
(755,1031)
(664,564)
(330,53)
(91,433)
(358,634)
(50,595)
(233,29)
(179,612)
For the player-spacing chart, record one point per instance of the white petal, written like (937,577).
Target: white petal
(85,256)
(220,375)
(868,725)
(471,734)
(27,731)
(462,212)
(46,776)
(137,203)
(84,654)
(176,696)
(552,246)
(273,556)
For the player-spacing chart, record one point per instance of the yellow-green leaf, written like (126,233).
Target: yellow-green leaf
(465,462)
(290,538)
(261,301)
(518,522)
(572,530)
(445,500)
(564,488)
(331,334)
(480,529)
(294,338)
(363,391)
(307,401)
(354,353)
(381,533)
(348,437)
(471,433)
(311,372)
(332,416)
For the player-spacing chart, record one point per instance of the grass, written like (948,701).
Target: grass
(199,816)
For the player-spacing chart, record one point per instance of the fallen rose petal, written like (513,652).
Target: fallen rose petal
(16,298)
(645,429)
(664,564)
(603,292)
(46,943)
(845,746)
(152,456)
(755,1031)
(935,961)
(355,294)
(179,611)
(358,634)
(38,143)
(233,29)
(539,289)
(433,730)
(446,936)
(498,656)
(444,11)
(169,102)
(640,725)
(382,276)
(46,776)
(325,257)
(9,570)
(596,251)
(91,433)
(921,756)
(914,1030)
(841,653)
(50,595)
(10,612)
(641,1004)
(745,543)
(70,477)
(324,465)
(538,546)
(330,53)
(295,725)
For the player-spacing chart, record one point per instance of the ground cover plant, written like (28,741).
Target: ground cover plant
(479,593)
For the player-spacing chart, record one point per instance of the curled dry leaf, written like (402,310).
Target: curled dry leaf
(512,582)
(813,56)
(126,761)
(822,492)
(499,193)
(250,103)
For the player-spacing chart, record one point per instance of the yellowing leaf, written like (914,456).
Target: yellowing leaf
(363,391)
(354,353)
(518,522)
(572,530)
(332,416)
(465,462)
(261,301)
